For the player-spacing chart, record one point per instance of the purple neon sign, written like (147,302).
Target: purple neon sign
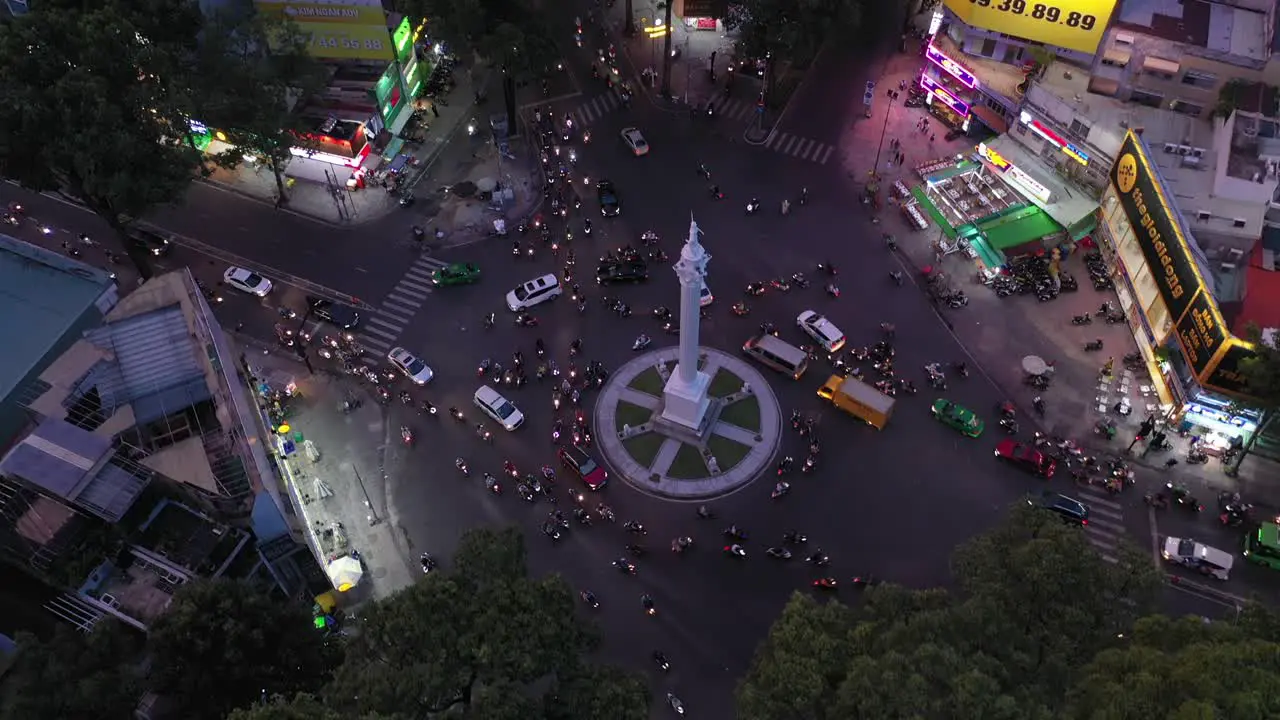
(952,68)
(951,101)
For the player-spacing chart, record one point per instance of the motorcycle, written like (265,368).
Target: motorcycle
(1085,319)
(1093,345)
(753,207)
(780,489)
(675,703)
(810,464)
(491,484)
(740,309)
(590,599)
(735,550)
(641,343)
(755,289)
(825,583)
(427,562)
(833,291)
(792,536)
(784,466)
(733,532)
(779,553)
(462,467)
(406,436)
(661,660)
(1009,425)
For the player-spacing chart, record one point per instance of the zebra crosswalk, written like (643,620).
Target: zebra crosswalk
(399,306)
(799,147)
(590,111)
(1106,522)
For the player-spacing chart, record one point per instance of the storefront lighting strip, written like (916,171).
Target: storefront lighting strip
(951,67)
(951,101)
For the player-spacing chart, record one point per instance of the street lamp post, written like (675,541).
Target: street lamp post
(888,110)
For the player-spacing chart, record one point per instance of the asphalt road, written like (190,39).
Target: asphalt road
(894,503)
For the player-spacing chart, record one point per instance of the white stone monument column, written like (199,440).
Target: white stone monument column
(685,394)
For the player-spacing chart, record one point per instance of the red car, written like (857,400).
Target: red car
(1026,457)
(582,465)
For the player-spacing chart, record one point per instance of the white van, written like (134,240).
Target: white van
(779,355)
(535,291)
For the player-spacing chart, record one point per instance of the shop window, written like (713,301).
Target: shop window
(1079,130)
(988,48)
(1186,108)
(1150,99)
(1200,80)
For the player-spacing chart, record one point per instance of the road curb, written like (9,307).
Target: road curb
(231,189)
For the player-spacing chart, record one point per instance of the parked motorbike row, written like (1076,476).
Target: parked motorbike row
(1030,275)
(1098,271)
(938,286)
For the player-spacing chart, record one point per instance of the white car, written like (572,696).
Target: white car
(409,364)
(821,329)
(247,281)
(634,140)
(498,408)
(705,297)
(1199,557)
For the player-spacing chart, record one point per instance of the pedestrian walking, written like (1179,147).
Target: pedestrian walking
(434,110)
(932,138)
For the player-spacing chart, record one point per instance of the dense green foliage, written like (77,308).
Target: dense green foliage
(793,29)
(1039,629)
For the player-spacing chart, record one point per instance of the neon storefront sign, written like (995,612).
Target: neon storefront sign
(935,90)
(1016,177)
(952,68)
(1054,139)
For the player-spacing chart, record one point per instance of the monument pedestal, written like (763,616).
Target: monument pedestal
(685,403)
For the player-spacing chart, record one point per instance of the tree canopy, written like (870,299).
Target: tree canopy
(483,640)
(1035,606)
(222,645)
(95,101)
(74,676)
(257,70)
(508,33)
(794,29)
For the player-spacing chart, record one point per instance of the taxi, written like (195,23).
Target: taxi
(456,274)
(957,417)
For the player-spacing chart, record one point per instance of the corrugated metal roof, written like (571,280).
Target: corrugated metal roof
(153,352)
(44,296)
(57,456)
(166,402)
(111,492)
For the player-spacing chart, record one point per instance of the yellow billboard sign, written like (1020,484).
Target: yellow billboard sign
(1072,24)
(339,32)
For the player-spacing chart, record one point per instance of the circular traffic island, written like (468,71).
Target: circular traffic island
(738,439)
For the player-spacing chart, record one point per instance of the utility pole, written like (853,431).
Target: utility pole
(666,50)
(888,110)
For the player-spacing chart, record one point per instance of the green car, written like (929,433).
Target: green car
(960,418)
(456,274)
(1263,545)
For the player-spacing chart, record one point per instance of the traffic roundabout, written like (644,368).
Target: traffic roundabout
(737,441)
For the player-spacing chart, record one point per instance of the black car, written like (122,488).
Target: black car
(156,244)
(609,273)
(610,205)
(1069,509)
(333,313)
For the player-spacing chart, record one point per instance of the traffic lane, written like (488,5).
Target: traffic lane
(1247,579)
(345,259)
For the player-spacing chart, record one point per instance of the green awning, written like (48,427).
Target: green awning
(1027,225)
(936,215)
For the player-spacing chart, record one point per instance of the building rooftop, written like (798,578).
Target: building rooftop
(1240,29)
(44,296)
(1067,205)
(1001,78)
(1208,166)
(1261,304)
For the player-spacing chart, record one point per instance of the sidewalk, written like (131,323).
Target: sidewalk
(691,80)
(341,495)
(311,198)
(999,332)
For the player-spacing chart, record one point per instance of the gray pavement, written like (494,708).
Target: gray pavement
(337,482)
(655,478)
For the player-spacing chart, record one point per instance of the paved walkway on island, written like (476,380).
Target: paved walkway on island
(654,479)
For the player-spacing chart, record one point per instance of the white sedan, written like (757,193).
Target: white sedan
(498,408)
(821,329)
(247,281)
(634,140)
(409,364)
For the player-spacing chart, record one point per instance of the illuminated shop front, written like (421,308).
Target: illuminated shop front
(1192,357)
(1054,140)
(334,141)
(944,104)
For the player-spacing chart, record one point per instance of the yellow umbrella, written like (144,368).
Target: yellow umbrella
(345,573)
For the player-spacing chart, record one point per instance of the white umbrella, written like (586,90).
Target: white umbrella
(486,184)
(1034,365)
(345,573)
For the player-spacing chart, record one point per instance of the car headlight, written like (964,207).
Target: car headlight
(1166,556)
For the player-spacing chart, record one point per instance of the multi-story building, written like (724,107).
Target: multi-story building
(1166,114)
(140,465)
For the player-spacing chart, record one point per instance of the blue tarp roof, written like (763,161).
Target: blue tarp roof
(57,456)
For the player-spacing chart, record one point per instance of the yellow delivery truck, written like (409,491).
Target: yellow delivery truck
(858,399)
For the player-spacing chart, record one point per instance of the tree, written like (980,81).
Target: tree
(74,676)
(666,47)
(1183,668)
(794,29)
(95,100)
(223,644)
(472,643)
(258,70)
(1262,376)
(1032,611)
